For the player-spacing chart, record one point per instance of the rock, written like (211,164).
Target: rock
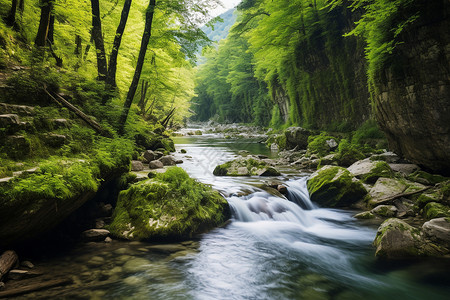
(136,166)
(2,286)
(243,171)
(253,165)
(94,235)
(396,239)
(27,264)
(329,159)
(335,187)
(269,171)
(369,171)
(365,215)
(435,210)
(156,164)
(274,147)
(99,224)
(9,120)
(260,156)
(55,140)
(149,155)
(108,240)
(405,169)
(282,189)
(386,211)
(405,208)
(243,153)
(96,261)
(60,123)
(296,137)
(168,160)
(16,109)
(183,151)
(438,230)
(136,265)
(166,248)
(105,210)
(170,206)
(389,157)
(16,274)
(18,146)
(386,187)
(332,144)
(178,161)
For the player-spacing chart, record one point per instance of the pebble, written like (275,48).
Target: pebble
(27,264)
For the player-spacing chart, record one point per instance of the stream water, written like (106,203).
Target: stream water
(273,248)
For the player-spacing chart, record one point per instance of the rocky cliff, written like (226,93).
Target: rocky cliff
(412,92)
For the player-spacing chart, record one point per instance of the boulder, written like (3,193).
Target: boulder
(156,164)
(396,239)
(17,146)
(168,160)
(149,155)
(435,210)
(385,211)
(335,187)
(170,206)
(389,157)
(10,122)
(405,208)
(386,187)
(94,235)
(55,140)
(248,166)
(22,110)
(365,215)
(60,123)
(332,144)
(296,137)
(330,159)
(136,166)
(405,169)
(369,171)
(438,230)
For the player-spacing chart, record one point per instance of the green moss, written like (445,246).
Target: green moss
(431,178)
(435,210)
(381,169)
(348,153)
(281,141)
(426,198)
(335,187)
(366,215)
(253,166)
(172,205)
(317,144)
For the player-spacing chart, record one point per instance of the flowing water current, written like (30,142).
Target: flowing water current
(275,247)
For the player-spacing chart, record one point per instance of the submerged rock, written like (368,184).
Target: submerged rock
(170,206)
(94,235)
(335,187)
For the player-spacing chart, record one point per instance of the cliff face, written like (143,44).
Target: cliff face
(326,86)
(413,91)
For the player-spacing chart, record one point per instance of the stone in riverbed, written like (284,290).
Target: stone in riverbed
(438,230)
(137,166)
(94,235)
(369,171)
(248,166)
(387,211)
(405,169)
(156,164)
(27,264)
(168,160)
(386,187)
(335,187)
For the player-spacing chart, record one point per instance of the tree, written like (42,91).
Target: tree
(111,76)
(11,17)
(44,23)
(97,36)
(137,74)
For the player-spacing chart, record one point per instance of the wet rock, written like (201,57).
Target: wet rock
(108,240)
(282,189)
(396,239)
(104,210)
(332,144)
(243,171)
(94,235)
(369,171)
(253,165)
(435,210)
(168,160)
(438,230)
(243,153)
(405,208)
(260,156)
(178,161)
(268,171)
(405,169)
(55,140)
(166,248)
(96,261)
(183,151)
(386,211)
(330,159)
(27,264)
(156,164)
(99,223)
(365,215)
(16,274)
(137,166)
(335,187)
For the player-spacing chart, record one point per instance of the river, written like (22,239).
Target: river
(273,248)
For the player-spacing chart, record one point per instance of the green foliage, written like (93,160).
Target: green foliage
(317,144)
(369,130)
(435,210)
(172,205)
(348,153)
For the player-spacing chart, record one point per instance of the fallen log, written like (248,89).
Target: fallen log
(7,261)
(35,287)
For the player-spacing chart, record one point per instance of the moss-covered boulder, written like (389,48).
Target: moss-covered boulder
(435,210)
(335,187)
(396,239)
(369,171)
(170,206)
(245,166)
(385,211)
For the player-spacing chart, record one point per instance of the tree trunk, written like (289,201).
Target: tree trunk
(44,23)
(97,35)
(21,6)
(78,47)
(51,29)
(11,18)
(7,261)
(111,77)
(140,63)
